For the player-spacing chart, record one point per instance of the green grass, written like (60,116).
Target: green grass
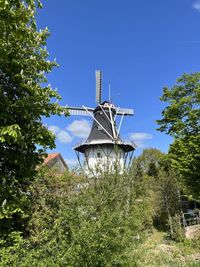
(157,251)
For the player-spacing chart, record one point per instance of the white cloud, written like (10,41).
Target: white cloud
(79,128)
(64,137)
(61,135)
(196,5)
(140,138)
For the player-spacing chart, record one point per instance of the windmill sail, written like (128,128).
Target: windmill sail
(98,86)
(125,111)
(80,111)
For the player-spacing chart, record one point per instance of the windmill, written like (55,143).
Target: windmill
(103,149)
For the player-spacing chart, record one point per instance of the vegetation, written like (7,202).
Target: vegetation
(46,219)
(181,119)
(23,137)
(106,221)
(82,222)
(158,251)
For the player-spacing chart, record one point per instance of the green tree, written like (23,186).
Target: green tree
(181,120)
(148,162)
(168,190)
(154,176)
(24,99)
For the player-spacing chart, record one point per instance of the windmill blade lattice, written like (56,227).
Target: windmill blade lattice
(98,86)
(125,111)
(80,111)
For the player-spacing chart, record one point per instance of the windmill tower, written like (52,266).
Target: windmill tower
(103,150)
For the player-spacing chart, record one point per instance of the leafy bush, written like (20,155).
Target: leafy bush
(79,221)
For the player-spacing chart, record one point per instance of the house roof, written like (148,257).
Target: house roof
(50,157)
(53,156)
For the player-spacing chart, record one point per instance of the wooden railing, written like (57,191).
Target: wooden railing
(191,218)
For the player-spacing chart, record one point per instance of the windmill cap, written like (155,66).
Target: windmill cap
(105,105)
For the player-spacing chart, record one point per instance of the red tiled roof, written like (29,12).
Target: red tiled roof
(50,157)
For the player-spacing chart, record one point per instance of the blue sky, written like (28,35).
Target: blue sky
(141,46)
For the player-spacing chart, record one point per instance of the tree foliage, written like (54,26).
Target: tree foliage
(181,120)
(76,221)
(154,175)
(182,116)
(24,98)
(148,162)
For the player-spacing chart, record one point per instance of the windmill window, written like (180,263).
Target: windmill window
(98,154)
